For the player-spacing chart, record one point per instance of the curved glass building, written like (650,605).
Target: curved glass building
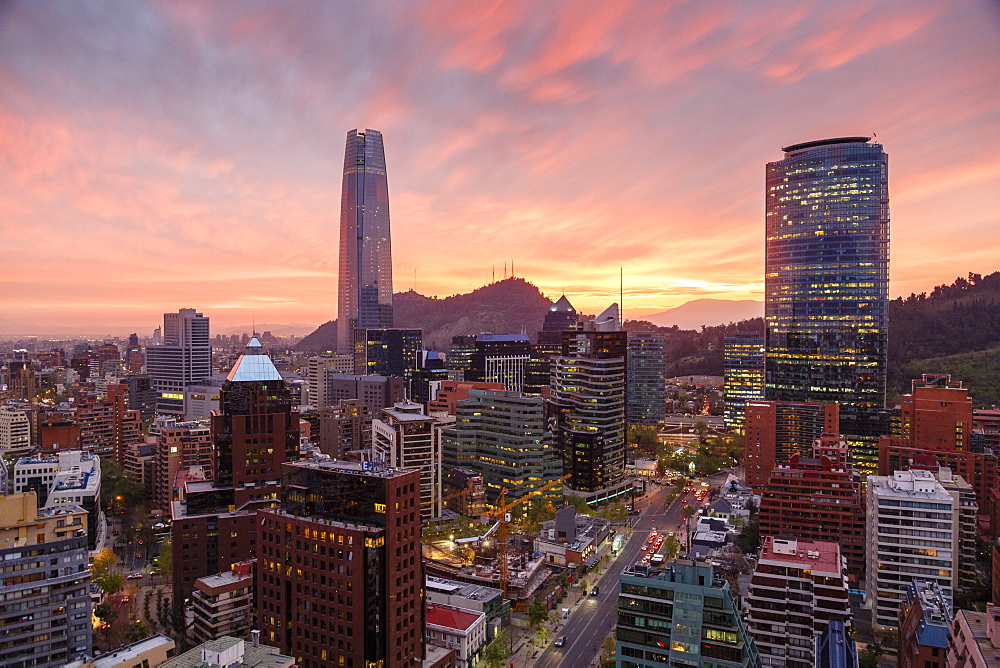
(364,299)
(827,283)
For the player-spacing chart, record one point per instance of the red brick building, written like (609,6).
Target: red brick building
(818,498)
(775,430)
(340,575)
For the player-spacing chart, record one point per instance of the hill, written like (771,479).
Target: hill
(699,313)
(509,306)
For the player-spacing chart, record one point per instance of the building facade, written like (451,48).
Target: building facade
(364,297)
(403,437)
(387,352)
(826,283)
(184,358)
(743,370)
(776,430)
(646,393)
(925,622)
(223,604)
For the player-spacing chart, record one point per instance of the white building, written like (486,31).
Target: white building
(797,587)
(461,630)
(913,532)
(68,478)
(15,432)
(404,437)
(318,373)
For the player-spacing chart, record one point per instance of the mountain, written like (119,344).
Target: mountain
(278,329)
(509,306)
(699,313)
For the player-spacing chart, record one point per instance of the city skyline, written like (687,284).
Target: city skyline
(143,148)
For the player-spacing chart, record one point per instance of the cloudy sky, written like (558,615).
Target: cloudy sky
(163,155)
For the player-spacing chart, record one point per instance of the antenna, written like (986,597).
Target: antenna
(621,297)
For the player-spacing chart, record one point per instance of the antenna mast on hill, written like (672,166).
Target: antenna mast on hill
(621,297)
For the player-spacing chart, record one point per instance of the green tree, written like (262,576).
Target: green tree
(137,631)
(867,659)
(615,512)
(110,583)
(643,437)
(582,508)
(687,512)
(104,612)
(164,561)
(497,651)
(671,546)
(538,614)
(701,428)
(104,560)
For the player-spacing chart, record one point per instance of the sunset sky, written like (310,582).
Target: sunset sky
(189,154)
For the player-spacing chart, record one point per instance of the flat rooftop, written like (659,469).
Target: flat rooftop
(818,556)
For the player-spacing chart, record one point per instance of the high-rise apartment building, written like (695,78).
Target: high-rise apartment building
(345,426)
(364,299)
(45,604)
(914,531)
(925,622)
(504,437)
(588,405)
(743,366)
(646,393)
(682,615)
(184,358)
(776,430)
(318,371)
(374,391)
(223,604)
(180,446)
(403,437)
(340,577)
(826,283)
(15,432)
(818,498)
(798,587)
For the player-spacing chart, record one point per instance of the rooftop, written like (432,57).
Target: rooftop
(261,656)
(819,556)
(473,592)
(978,624)
(370,469)
(124,654)
(450,618)
(254,365)
(935,627)
(826,142)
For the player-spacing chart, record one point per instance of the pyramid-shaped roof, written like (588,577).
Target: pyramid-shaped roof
(563,305)
(253,365)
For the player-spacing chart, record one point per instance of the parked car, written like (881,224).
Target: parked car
(134,576)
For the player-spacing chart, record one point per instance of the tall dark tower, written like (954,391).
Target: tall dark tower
(364,299)
(827,283)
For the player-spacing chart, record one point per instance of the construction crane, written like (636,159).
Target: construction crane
(501,514)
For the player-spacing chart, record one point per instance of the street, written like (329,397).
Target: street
(594,618)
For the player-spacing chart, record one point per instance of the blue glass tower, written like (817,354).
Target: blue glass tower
(827,283)
(743,366)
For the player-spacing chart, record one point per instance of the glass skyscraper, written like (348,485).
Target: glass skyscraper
(827,283)
(646,393)
(743,366)
(364,299)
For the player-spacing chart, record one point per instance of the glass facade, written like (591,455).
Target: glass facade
(744,375)
(827,283)
(364,298)
(646,390)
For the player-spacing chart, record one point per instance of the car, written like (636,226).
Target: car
(671,533)
(138,555)
(595,591)
(134,576)
(560,641)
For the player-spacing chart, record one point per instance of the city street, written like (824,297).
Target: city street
(593,618)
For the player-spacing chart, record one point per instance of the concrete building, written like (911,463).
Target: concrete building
(818,498)
(681,615)
(179,445)
(318,371)
(464,490)
(340,576)
(797,588)
(147,653)
(471,597)
(70,478)
(572,539)
(345,426)
(452,391)
(223,604)
(45,605)
(975,639)
(925,623)
(504,437)
(913,531)
(403,437)
(501,358)
(374,391)
(461,630)
(231,653)
(15,432)
(184,358)
(776,430)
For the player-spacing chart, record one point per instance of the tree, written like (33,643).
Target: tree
(671,546)
(867,659)
(749,538)
(538,614)
(497,651)
(104,560)
(137,631)
(165,561)
(731,564)
(581,506)
(643,437)
(104,612)
(615,512)
(701,428)
(110,583)
(687,512)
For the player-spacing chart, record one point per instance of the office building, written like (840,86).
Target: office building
(682,615)
(229,652)
(179,446)
(215,521)
(364,296)
(464,489)
(925,622)
(69,478)
(826,283)
(45,607)
(504,437)
(184,358)
(22,380)
(223,604)
(817,498)
(560,317)
(461,630)
(914,528)
(141,396)
(403,437)
(501,358)
(646,394)
(797,588)
(775,430)
(340,577)
(387,352)
(451,392)
(975,639)
(345,426)
(318,371)
(15,432)
(588,406)
(743,364)
(374,391)
(426,380)
(460,353)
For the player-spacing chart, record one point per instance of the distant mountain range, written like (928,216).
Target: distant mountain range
(277,329)
(699,313)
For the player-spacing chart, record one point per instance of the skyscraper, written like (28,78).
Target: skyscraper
(184,358)
(744,373)
(827,283)
(364,299)
(646,392)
